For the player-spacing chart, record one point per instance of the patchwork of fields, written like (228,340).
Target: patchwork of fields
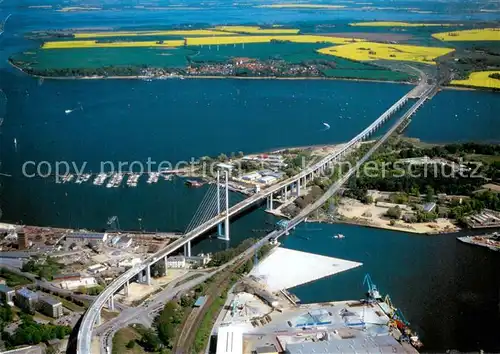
(340,55)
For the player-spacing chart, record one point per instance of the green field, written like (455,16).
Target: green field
(102,57)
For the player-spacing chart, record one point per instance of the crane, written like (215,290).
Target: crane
(373,292)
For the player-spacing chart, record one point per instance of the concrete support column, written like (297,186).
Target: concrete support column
(98,320)
(166,262)
(298,187)
(148,275)
(125,288)
(111,303)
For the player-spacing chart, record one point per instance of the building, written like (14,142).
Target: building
(267,180)
(50,306)
(115,240)
(201,259)
(87,236)
(124,242)
(97,268)
(129,263)
(176,262)
(22,240)
(86,282)
(200,301)
(6,294)
(251,176)
(26,299)
(229,340)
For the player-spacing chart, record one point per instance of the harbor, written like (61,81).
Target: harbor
(262,316)
(115,180)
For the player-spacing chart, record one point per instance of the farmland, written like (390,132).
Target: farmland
(305,50)
(486,79)
(117,44)
(366,51)
(485,34)
(109,34)
(257,30)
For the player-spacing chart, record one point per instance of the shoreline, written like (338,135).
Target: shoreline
(191,77)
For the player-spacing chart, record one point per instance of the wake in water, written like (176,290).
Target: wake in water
(2,28)
(69,111)
(327,126)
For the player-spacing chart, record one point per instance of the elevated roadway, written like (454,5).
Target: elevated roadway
(93,313)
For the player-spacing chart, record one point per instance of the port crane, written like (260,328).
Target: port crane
(373,292)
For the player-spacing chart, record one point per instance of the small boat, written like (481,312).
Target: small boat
(193,183)
(339,236)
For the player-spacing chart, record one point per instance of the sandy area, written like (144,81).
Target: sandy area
(139,291)
(372,215)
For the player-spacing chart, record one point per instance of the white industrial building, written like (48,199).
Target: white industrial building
(97,268)
(252,176)
(267,180)
(129,263)
(229,340)
(87,282)
(124,242)
(176,262)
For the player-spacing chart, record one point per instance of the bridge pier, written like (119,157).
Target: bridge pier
(148,275)
(98,319)
(269,202)
(187,249)
(165,260)
(111,303)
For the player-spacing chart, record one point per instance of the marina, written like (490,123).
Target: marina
(153,177)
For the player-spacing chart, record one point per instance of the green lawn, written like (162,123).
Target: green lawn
(122,337)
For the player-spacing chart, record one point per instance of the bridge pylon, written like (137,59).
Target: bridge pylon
(223,232)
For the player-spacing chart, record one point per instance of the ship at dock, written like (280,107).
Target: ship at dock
(400,326)
(490,241)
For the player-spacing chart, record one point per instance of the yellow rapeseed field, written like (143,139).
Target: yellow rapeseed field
(480,79)
(82,35)
(376,51)
(215,40)
(265,39)
(256,30)
(301,6)
(398,24)
(95,44)
(485,34)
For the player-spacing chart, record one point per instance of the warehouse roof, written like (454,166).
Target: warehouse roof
(27,293)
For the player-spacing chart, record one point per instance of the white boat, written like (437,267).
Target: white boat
(339,236)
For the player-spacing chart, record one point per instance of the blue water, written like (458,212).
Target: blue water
(447,290)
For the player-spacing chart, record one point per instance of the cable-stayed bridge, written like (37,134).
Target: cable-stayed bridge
(214,209)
